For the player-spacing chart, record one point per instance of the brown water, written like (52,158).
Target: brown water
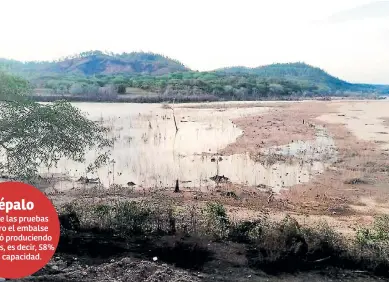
(149,152)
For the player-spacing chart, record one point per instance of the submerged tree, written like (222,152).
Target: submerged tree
(33,135)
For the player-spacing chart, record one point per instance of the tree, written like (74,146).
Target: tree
(108,91)
(33,135)
(76,89)
(122,89)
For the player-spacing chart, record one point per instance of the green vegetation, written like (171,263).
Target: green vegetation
(149,77)
(33,135)
(378,234)
(306,75)
(220,86)
(272,246)
(95,63)
(298,72)
(217,219)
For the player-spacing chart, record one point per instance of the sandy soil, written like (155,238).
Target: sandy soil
(332,196)
(280,127)
(234,105)
(367,120)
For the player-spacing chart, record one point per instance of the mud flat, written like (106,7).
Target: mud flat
(149,153)
(288,167)
(346,184)
(352,190)
(367,120)
(307,153)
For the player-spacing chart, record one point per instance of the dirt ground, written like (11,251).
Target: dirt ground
(133,270)
(347,195)
(281,126)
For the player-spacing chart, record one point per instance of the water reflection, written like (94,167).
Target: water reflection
(149,152)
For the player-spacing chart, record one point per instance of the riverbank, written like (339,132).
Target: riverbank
(153,98)
(312,228)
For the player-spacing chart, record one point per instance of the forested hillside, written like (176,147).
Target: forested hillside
(95,74)
(304,74)
(94,63)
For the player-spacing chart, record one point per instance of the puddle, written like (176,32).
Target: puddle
(322,149)
(310,158)
(149,152)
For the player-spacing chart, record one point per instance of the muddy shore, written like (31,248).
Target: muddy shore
(332,195)
(347,195)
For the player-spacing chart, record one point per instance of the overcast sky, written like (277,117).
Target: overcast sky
(348,38)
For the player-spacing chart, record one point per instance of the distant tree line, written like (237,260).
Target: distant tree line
(89,78)
(226,86)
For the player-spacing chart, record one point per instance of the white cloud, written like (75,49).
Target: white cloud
(372,10)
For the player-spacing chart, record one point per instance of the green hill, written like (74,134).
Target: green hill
(305,75)
(91,74)
(96,63)
(299,72)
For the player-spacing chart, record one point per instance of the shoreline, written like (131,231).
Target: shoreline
(338,202)
(318,197)
(280,126)
(185,99)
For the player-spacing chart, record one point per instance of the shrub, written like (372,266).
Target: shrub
(121,89)
(246,231)
(132,218)
(273,247)
(379,233)
(217,220)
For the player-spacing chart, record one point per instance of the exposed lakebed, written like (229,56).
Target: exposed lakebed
(150,153)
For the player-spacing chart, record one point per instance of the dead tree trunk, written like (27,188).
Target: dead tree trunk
(174,118)
(175,122)
(172,223)
(177,189)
